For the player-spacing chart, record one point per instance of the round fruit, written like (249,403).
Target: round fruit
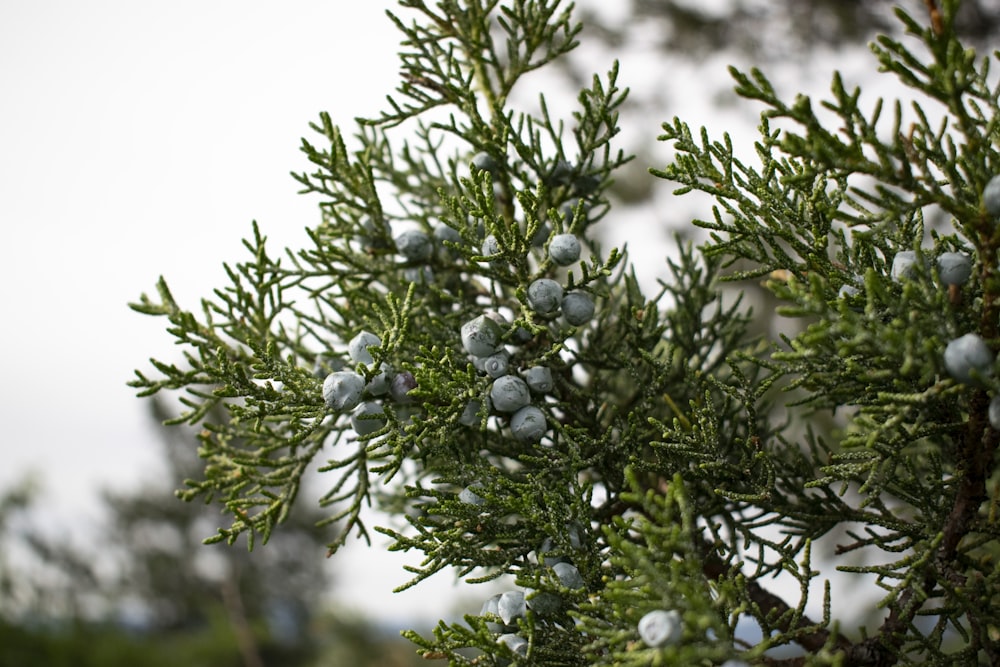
(357,348)
(564,249)
(491,607)
(539,379)
(342,390)
(968,357)
(577,308)
(490,246)
(379,385)
(470,497)
(528,424)
(991,197)
(545,603)
(568,575)
(847,291)
(481,336)
(415,246)
(363,421)
(511,606)
(485,162)
(660,628)
(544,295)
(904,265)
(401,385)
(994,412)
(515,643)
(954,268)
(495,365)
(470,415)
(509,393)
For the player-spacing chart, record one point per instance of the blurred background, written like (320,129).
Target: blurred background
(140,139)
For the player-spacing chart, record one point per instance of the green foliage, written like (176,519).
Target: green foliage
(686,460)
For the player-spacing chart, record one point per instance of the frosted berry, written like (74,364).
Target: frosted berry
(991,197)
(954,268)
(401,385)
(509,393)
(442,234)
(994,412)
(490,607)
(904,265)
(516,643)
(577,308)
(568,575)
(379,385)
(564,249)
(528,424)
(490,246)
(415,246)
(539,379)
(544,295)
(470,497)
(481,336)
(847,291)
(326,364)
(545,603)
(967,356)
(511,606)
(358,346)
(485,162)
(470,415)
(496,365)
(363,420)
(342,390)
(660,628)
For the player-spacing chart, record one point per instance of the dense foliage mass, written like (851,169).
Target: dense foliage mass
(457,346)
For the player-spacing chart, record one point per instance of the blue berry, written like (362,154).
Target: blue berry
(400,387)
(568,575)
(968,357)
(660,628)
(509,393)
(528,424)
(358,346)
(578,308)
(511,606)
(545,603)
(491,607)
(496,365)
(904,265)
(415,246)
(544,295)
(368,418)
(954,268)
(470,497)
(564,249)
(470,415)
(539,379)
(991,197)
(485,162)
(342,390)
(490,246)
(516,643)
(481,336)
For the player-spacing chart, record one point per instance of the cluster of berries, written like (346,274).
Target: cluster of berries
(345,390)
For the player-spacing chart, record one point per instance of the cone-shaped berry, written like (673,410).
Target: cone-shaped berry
(509,393)
(954,268)
(544,295)
(528,424)
(968,356)
(342,390)
(660,628)
(481,336)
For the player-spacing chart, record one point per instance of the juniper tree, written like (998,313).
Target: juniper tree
(642,475)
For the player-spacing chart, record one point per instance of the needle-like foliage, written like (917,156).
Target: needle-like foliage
(616,452)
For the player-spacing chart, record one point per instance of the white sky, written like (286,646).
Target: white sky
(140,139)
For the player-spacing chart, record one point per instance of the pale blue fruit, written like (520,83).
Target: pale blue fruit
(342,390)
(991,197)
(568,575)
(400,387)
(415,245)
(490,246)
(528,424)
(481,336)
(496,365)
(358,346)
(368,418)
(485,162)
(660,628)
(544,295)
(578,308)
(968,356)
(509,393)
(564,249)
(516,643)
(954,268)
(511,606)
(470,497)
(904,265)
(539,379)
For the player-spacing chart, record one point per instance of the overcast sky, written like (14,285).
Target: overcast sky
(140,139)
